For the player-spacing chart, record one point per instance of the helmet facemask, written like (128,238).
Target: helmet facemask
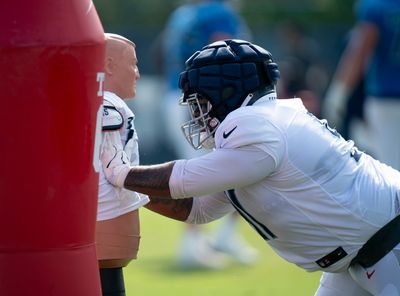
(199,130)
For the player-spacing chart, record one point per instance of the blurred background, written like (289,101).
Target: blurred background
(315,28)
(306,39)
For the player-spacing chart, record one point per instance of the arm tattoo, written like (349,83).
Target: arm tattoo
(150,180)
(178,209)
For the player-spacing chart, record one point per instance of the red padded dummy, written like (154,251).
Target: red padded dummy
(50,56)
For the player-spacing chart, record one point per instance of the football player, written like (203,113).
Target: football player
(190,27)
(317,200)
(371,57)
(118,228)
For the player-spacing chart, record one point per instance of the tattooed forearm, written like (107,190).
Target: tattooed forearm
(151,180)
(178,209)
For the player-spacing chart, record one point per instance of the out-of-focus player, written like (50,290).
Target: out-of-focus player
(118,229)
(371,57)
(190,27)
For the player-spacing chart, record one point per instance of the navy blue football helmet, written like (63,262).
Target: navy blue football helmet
(217,80)
(225,72)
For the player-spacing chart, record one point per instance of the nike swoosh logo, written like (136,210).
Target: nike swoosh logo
(369,274)
(226,135)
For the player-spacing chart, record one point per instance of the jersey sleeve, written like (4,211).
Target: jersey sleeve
(220,170)
(369,11)
(209,208)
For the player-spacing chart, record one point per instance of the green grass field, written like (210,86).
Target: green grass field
(155,271)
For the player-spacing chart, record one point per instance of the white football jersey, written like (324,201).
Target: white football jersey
(113,201)
(308,192)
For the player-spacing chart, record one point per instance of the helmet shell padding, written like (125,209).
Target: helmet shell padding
(225,72)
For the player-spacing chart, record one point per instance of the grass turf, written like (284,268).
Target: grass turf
(155,271)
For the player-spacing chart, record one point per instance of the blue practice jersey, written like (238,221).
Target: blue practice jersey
(192,27)
(384,70)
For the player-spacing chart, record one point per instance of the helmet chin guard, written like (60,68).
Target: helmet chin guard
(199,130)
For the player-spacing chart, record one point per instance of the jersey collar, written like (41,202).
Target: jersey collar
(259,96)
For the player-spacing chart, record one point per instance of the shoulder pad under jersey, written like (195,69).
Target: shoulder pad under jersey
(112,119)
(243,128)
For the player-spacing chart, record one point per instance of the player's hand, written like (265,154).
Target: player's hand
(334,107)
(115,162)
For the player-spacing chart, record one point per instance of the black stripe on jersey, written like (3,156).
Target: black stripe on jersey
(262,230)
(131,131)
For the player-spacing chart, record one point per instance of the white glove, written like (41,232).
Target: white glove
(115,161)
(334,107)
